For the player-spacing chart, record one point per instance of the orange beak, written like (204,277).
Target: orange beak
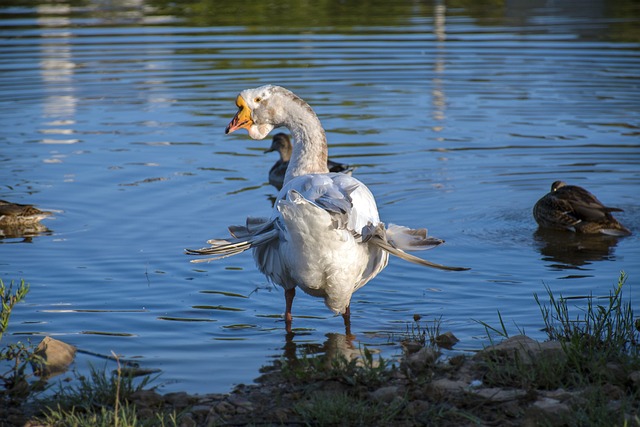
(242,119)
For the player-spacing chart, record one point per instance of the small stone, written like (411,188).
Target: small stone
(446,340)
(560,394)
(145,413)
(200,409)
(548,411)
(495,394)
(56,355)
(423,359)
(282,414)
(417,407)
(446,386)
(385,394)
(146,398)
(510,348)
(178,400)
(225,408)
(411,347)
(634,377)
(187,421)
(241,403)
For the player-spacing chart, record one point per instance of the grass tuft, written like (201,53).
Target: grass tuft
(343,409)
(600,348)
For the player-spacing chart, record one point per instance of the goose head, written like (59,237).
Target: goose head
(260,110)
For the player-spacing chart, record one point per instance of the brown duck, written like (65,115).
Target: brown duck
(572,208)
(282,144)
(16,213)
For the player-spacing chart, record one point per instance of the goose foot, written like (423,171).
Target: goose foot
(289,294)
(346,316)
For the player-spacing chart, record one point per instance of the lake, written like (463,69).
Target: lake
(458,115)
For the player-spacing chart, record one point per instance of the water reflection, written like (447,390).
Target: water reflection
(573,249)
(22,231)
(336,347)
(439,100)
(57,70)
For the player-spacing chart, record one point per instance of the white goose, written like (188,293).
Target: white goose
(324,235)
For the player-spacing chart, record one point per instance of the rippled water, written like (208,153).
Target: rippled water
(457,116)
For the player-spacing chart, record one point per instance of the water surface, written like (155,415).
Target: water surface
(457,117)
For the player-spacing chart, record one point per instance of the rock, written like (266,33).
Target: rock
(547,411)
(417,407)
(423,359)
(202,410)
(385,394)
(616,372)
(560,394)
(494,394)
(225,408)
(446,340)
(634,378)
(241,403)
(145,413)
(444,387)
(57,357)
(411,347)
(552,350)
(187,421)
(525,349)
(147,399)
(178,400)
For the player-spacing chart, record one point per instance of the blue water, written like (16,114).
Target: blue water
(457,119)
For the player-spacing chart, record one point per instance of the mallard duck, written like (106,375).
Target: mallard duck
(282,144)
(16,214)
(324,234)
(572,208)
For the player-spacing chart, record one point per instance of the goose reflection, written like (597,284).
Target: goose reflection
(336,346)
(574,249)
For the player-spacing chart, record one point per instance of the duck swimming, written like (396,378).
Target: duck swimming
(572,208)
(282,144)
(324,234)
(17,214)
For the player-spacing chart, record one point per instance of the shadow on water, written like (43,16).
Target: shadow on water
(566,250)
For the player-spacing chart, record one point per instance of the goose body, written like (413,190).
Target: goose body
(19,214)
(324,234)
(282,144)
(572,208)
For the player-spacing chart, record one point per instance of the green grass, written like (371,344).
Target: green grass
(344,409)
(601,347)
(9,299)
(102,399)
(124,416)
(425,334)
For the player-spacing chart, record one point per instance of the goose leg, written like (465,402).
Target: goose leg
(347,321)
(289,294)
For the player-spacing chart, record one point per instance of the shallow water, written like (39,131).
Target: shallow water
(457,118)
